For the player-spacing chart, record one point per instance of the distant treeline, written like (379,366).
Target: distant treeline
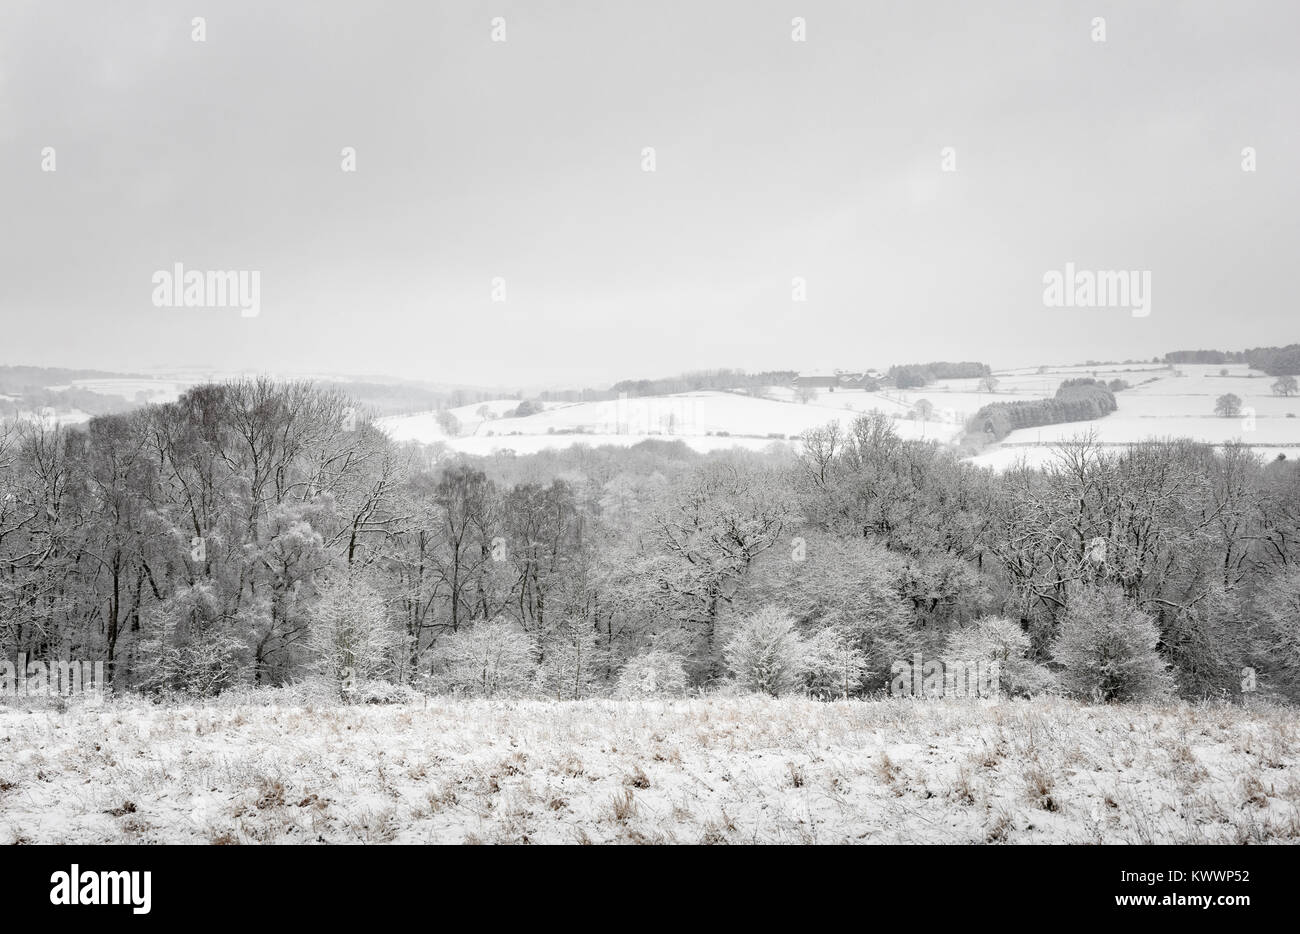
(704,379)
(28,387)
(64,400)
(1076,400)
(1206,356)
(17,380)
(912,375)
(1275,361)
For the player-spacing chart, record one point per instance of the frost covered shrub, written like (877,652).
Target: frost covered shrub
(1107,647)
(851,584)
(568,669)
(351,640)
(192,652)
(652,674)
(854,586)
(490,658)
(765,654)
(993,639)
(386,692)
(833,664)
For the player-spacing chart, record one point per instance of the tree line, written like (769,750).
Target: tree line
(915,375)
(259,534)
(1075,400)
(1275,361)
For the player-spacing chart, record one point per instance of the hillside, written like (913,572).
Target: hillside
(703,420)
(1159,402)
(1178,402)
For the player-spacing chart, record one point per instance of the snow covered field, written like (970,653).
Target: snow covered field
(152,390)
(703,420)
(1178,403)
(717,770)
(1161,402)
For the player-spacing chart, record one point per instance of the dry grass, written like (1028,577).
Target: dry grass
(717,770)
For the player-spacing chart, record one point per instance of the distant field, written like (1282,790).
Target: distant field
(154,390)
(1162,402)
(1174,406)
(716,770)
(703,420)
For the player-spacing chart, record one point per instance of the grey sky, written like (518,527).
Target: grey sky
(522,160)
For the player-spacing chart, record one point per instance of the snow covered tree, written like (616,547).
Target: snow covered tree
(833,663)
(722,519)
(191,649)
(765,654)
(1108,648)
(351,639)
(656,673)
(449,423)
(490,658)
(851,584)
(994,639)
(292,549)
(1228,405)
(1278,609)
(571,660)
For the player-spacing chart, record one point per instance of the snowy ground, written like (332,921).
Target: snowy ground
(718,770)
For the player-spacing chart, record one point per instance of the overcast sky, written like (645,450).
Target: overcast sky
(522,160)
